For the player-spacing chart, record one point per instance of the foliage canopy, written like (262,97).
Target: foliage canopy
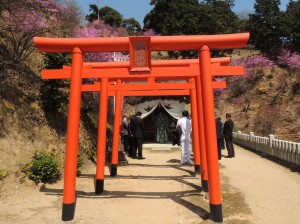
(109,15)
(265,25)
(190,17)
(292,26)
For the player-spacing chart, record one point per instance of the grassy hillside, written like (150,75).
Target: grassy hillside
(26,125)
(270,103)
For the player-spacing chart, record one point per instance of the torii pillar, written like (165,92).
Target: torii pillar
(102,120)
(215,199)
(69,198)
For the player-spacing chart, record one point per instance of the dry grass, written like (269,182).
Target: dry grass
(271,106)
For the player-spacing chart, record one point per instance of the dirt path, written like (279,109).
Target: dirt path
(159,190)
(271,190)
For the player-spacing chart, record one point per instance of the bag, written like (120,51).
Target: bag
(176,138)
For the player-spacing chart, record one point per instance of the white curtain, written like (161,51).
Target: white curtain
(173,107)
(147,107)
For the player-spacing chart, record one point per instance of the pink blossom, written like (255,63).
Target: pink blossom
(253,61)
(252,66)
(289,59)
(98,28)
(28,22)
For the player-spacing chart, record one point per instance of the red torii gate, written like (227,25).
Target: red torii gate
(152,89)
(140,67)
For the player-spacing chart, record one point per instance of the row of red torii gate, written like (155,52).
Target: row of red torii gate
(142,76)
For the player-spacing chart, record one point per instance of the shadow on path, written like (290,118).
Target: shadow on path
(179,197)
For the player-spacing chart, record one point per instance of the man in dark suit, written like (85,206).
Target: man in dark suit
(138,134)
(125,134)
(227,132)
(219,127)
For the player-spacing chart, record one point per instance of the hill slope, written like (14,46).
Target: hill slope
(27,126)
(267,104)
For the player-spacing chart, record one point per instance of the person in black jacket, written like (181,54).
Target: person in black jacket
(137,134)
(125,135)
(131,143)
(219,127)
(227,133)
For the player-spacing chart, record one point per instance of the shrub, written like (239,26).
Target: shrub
(44,168)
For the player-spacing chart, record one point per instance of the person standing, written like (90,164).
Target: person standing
(131,144)
(126,136)
(219,128)
(138,134)
(185,125)
(227,133)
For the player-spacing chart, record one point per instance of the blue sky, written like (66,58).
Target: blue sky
(139,8)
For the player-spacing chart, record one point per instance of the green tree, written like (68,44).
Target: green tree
(175,17)
(109,15)
(292,25)
(188,17)
(212,2)
(132,26)
(265,25)
(94,15)
(220,17)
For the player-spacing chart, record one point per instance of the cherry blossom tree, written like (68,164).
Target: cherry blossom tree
(21,20)
(98,28)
